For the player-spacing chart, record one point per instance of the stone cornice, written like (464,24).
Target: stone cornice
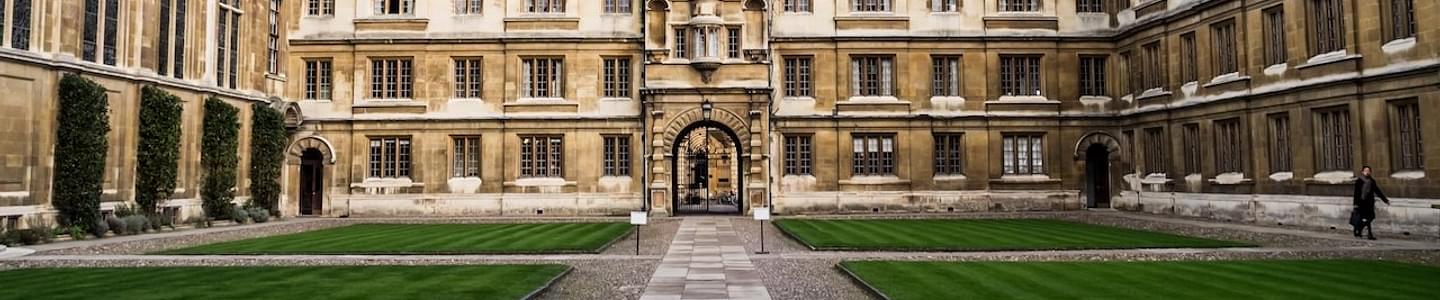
(64,62)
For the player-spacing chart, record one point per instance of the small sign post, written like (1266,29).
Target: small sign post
(638,218)
(762,214)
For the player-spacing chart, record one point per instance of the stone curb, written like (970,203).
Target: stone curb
(536,293)
(863,284)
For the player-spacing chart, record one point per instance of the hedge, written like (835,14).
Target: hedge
(81,144)
(219,147)
(159,148)
(267,155)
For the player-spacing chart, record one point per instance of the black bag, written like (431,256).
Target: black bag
(1355,218)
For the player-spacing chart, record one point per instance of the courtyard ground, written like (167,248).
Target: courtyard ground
(283,282)
(979,235)
(790,270)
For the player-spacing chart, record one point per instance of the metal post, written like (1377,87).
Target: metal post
(637,239)
(762,239)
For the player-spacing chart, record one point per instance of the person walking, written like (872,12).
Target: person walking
(1366,190)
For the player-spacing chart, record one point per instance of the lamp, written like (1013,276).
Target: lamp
(706,109)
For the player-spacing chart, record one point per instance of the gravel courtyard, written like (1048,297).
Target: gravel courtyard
(789,271)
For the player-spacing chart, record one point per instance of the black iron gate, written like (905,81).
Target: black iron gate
(706,172)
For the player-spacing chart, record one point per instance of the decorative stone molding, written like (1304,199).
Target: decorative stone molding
(298,148)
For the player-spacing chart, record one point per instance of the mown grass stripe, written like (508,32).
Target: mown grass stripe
(979,235)
(427,239)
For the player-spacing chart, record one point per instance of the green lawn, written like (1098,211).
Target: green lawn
(1276,279)
(429,239)
(279,283)
(980,235)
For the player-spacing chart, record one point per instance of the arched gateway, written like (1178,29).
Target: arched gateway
(707,161)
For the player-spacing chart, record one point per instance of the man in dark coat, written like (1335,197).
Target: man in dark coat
(1366,190)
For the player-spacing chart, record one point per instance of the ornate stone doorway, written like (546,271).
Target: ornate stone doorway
(1101,156)
(708,175)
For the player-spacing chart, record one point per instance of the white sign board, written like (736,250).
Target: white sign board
(761,213)
(638,218)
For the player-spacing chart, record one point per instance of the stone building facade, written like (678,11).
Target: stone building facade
(123,45)
(1254,111)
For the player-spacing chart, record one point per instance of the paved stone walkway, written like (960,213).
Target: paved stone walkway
(707,260)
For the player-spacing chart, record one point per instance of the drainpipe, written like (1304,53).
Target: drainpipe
(644,111)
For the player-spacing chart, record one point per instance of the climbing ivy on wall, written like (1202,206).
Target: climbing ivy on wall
(267,154)
(81,143)
(159,148)
(219,146)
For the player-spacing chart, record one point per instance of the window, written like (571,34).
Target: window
(1274,33)
(617,77)
(1129,83)
(468,77)
(317,79)
(320,7)
(393,7)
(273,48)
(1223,42)
(798,154)
(1409,150)
(1155,150)
(706,42)
(1090,6)
(617,155)
(1024,154)
(944,5)
(945,76)
(1092,75)
(1401,21)
(1189,70)
(1229,147)
(102,26)
(1020,75)
(872,75)
(1326,27)
(1280,159)
(545,6)
(870,5)
(1019,5)
(227,58)
(1154,72)
(19,23)
(681,49)
(1332,139)
(1131,143)
(390,157)
(471,7)
(465,159)
(162,41)
(797,6)
(732,42)
(1190,139)
(797,76)
(390,78)
(874,154)
(617,6)
(541,156)
(949,154)
(178,57)
(542,78)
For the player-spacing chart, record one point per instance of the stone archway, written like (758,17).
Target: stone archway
(1098,154)
(670,127)
(308,174)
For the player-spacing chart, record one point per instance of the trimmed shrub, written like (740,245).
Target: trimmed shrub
(77,233)
(9,237)
(259,215)
(100,228)
(116,225)
(267,155)
(199,221)
(40,231)
(155,222)
(136,224)
(218,157)
(158,154)
(239,215)
(81,143)
(123,210)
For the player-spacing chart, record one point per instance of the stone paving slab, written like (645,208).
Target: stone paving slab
(706,261)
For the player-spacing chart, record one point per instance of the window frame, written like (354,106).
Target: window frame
(465,156)
(617,7)
(1020,73)
(1280,143)
(799,6)
(1228,136)
(1190,145)
(1399,16)
(1334,147)
(615,157)
(872,75)
(394,7)
(1189,58)
(873,154)
(320,8)
(552,165)
(1019,5)
(948,153)
(1092,71)
(468,77)
(394,82)
(1406,135)
(394,160)
(549,85)
(1225,59)
(1325,26)
(545,6)
(872,6)
(1273,31)
(616,76)
(798,72)
(318,83)
(1156,152)
(1033,160)
(945,75)
(799,154)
